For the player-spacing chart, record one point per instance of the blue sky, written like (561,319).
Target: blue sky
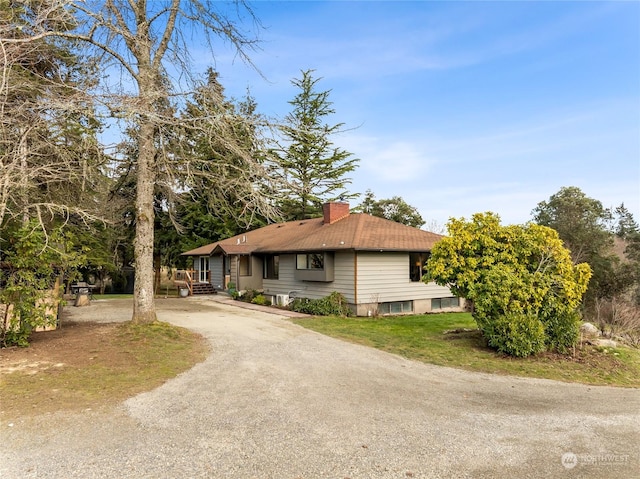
(464,107)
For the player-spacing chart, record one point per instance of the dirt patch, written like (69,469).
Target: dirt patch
(73,345)
(87,365)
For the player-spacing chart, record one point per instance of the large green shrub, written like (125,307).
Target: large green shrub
(520,279)
(333,305)
(516,334)
(562,330)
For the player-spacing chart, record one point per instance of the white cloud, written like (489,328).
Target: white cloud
(383,160)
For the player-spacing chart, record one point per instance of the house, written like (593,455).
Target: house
(375,263)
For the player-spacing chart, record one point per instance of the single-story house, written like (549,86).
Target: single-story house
(375,263)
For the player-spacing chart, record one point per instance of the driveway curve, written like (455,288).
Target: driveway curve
(274,400)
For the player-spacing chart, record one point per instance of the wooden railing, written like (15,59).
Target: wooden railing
(187,277)
(184,278)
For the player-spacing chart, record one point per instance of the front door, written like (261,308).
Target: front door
(204,269)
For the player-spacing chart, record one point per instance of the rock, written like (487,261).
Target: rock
(588,330)
(606,343)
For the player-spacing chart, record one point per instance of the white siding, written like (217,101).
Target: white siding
(384,277)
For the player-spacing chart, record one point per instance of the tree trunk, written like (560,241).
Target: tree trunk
(157,267)
(149,92)
(143,301)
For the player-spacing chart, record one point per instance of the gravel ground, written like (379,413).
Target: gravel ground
(274,400)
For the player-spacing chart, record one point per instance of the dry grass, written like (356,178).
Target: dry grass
(88,365)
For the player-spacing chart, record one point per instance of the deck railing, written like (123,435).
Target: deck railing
(187,277)
(184,278)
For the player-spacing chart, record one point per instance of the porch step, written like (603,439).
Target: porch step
(203,288)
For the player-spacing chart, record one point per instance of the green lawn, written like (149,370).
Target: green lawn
(427,338)
(112,296)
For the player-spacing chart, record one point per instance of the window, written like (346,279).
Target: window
(416,265)
(310,261)
(314,267)
(244,265)
(396,307)
(444,303)
(271,266)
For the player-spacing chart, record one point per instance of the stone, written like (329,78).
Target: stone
(606,343)
(588,330)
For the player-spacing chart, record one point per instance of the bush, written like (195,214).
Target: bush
(524,287)
(261,300)
(248,295)
(515,334)
(29,284)
(562,330)
(333,305)
(231,289)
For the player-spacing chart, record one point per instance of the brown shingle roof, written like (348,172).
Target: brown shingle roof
(358,231)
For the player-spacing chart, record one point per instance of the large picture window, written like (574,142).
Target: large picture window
(313,261)
(271,266)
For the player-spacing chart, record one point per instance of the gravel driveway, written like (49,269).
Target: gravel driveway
(274,400)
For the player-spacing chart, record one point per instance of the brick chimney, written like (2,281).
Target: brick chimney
(334,211)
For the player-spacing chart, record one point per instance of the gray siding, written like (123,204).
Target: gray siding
(217,275)
(384,277)
(343,279)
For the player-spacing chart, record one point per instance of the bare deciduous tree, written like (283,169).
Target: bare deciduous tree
(142,44)
(49,156)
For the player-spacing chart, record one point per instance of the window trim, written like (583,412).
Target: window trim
(324,275)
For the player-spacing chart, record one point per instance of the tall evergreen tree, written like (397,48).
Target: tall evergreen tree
(313,168)
(233,134)
(626,225)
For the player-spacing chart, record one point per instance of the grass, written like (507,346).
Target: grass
(99,364)
(112,296)
(163,293)
(428,338)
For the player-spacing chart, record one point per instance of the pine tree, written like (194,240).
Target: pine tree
(313,168)
(626,224)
